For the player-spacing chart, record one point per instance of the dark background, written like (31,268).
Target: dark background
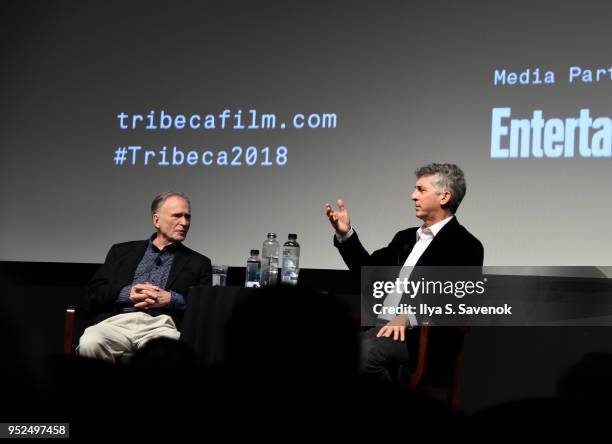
(500,364)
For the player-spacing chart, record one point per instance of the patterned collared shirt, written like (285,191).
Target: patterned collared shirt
(154,268)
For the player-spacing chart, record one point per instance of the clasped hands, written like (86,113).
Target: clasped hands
(149,296)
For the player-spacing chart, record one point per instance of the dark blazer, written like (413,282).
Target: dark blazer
(452,246)
(189,268)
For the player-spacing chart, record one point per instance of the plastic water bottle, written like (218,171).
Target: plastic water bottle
(253,270)
(291,261)
(269,261)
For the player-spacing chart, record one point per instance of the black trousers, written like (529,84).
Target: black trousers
(382,357)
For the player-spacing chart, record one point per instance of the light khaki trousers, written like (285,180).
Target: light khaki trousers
(124,333)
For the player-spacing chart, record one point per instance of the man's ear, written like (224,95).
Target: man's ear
(155,220)
(445,198)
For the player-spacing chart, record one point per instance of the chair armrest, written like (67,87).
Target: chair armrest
(69,329)
(417,375)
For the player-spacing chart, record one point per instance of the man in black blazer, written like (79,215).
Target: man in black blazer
(140,292)
(440,241)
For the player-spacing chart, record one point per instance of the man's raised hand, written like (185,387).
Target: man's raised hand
(339,218)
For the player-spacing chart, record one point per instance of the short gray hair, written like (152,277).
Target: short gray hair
(445,177)
(163,197)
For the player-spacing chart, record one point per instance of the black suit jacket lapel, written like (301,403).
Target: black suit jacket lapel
(180,259)
(132,259)
(434,254)
(406,249)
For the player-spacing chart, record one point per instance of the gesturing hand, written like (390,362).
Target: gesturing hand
(339,218)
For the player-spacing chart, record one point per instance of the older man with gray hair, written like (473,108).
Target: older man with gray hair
(140,292)
(439,241)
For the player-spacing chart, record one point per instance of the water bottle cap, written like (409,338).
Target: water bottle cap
(254,252)
(271,234)
(293,236)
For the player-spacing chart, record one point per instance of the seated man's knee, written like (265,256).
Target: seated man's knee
(382,355)
(373,352)
(92,343)
(170,333)
(167,333)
